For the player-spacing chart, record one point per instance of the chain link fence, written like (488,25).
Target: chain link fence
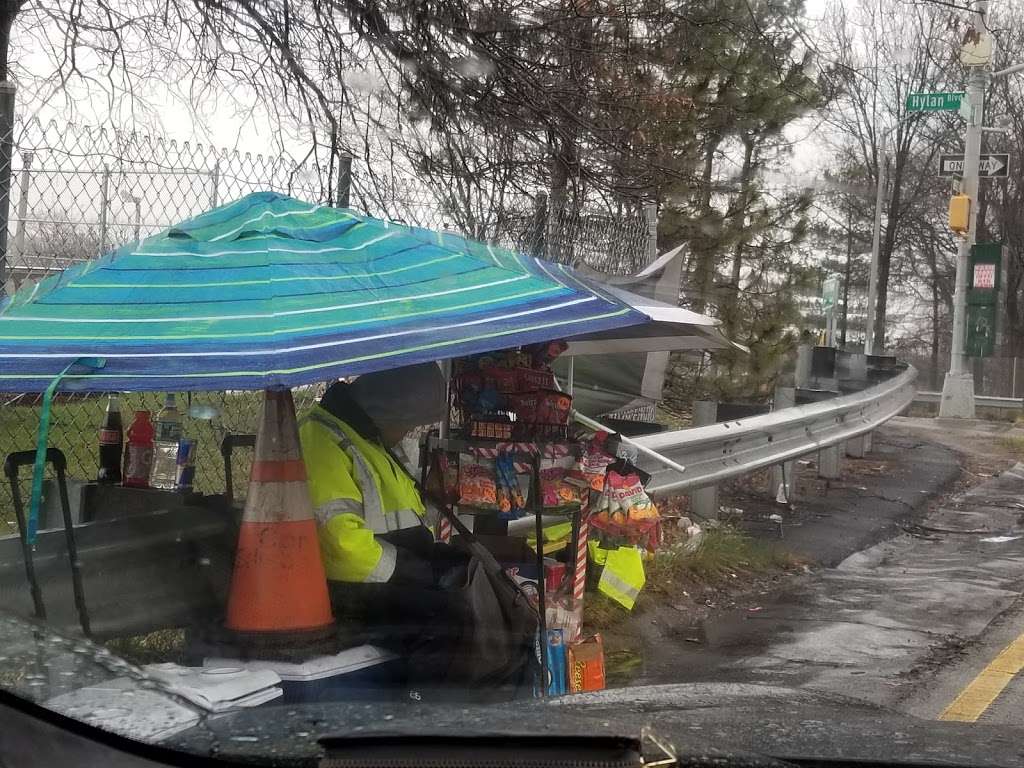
(993,376)
(77,192)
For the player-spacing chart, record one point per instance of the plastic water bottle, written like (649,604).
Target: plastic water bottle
(164,474)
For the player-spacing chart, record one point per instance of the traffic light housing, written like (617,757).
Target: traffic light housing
(959,213)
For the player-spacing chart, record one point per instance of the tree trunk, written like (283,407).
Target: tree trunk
(705,251)
(8,11)
(746,174)
(562,164)
(846,278)
(931,256)
(885,261)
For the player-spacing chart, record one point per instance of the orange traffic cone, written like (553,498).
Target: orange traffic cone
(279,584)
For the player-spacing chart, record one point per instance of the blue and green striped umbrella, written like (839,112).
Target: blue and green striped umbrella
(270,291)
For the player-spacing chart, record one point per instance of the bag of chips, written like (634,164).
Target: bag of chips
(589,471)
(555,489)
(511,498)
(478,485)
(625,512)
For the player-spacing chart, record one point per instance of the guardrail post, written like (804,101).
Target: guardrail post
(783,484)
(704,501)
(829,462)
(856,447)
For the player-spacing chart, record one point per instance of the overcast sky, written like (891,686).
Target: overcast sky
(212,121)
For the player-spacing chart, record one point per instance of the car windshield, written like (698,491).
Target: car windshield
(645,369)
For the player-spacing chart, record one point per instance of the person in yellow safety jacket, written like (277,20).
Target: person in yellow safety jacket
(368,510)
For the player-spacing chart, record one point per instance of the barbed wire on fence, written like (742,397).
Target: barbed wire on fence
(79,191)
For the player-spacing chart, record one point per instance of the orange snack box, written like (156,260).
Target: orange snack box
(586,665)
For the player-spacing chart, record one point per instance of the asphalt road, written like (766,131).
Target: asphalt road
(872,501)
(983,682)
(919,606)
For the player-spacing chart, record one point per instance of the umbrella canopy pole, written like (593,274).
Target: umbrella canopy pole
(446,421)
(661,459)
(597,426)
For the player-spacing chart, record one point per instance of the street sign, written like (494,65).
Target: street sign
(830,292)
(991,165)
(984,276)
(934,102)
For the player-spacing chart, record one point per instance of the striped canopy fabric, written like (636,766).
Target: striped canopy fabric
(270,291)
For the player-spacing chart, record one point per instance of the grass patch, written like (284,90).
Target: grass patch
(723,552)
(152,648)
(74,429)
(672,418)
(600,612)
(1015,444)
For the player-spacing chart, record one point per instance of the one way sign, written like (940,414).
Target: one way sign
(990,166)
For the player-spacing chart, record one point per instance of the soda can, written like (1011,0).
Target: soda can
(186,464)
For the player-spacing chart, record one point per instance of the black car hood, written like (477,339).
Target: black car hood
(698,719)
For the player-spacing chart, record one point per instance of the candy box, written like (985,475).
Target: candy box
(529,379)
(525,407)
(556,662)
(553,407)
(503,380)
(495,428)
(586,665)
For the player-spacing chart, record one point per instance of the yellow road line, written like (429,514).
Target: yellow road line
(986,687)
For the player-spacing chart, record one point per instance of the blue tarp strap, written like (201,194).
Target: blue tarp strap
(93,363)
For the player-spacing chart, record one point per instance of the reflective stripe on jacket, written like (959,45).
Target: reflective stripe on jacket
(357,491)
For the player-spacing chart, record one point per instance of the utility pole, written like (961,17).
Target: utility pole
(958,386)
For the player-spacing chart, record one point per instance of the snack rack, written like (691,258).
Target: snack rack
(527,457)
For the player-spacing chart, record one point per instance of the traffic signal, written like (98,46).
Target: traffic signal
(959,213)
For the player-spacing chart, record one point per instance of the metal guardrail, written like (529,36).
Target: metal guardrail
(980,401)
(735,448)
(174,566)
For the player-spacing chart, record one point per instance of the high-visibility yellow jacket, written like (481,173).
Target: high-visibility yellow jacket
(622,576)
(357,491)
